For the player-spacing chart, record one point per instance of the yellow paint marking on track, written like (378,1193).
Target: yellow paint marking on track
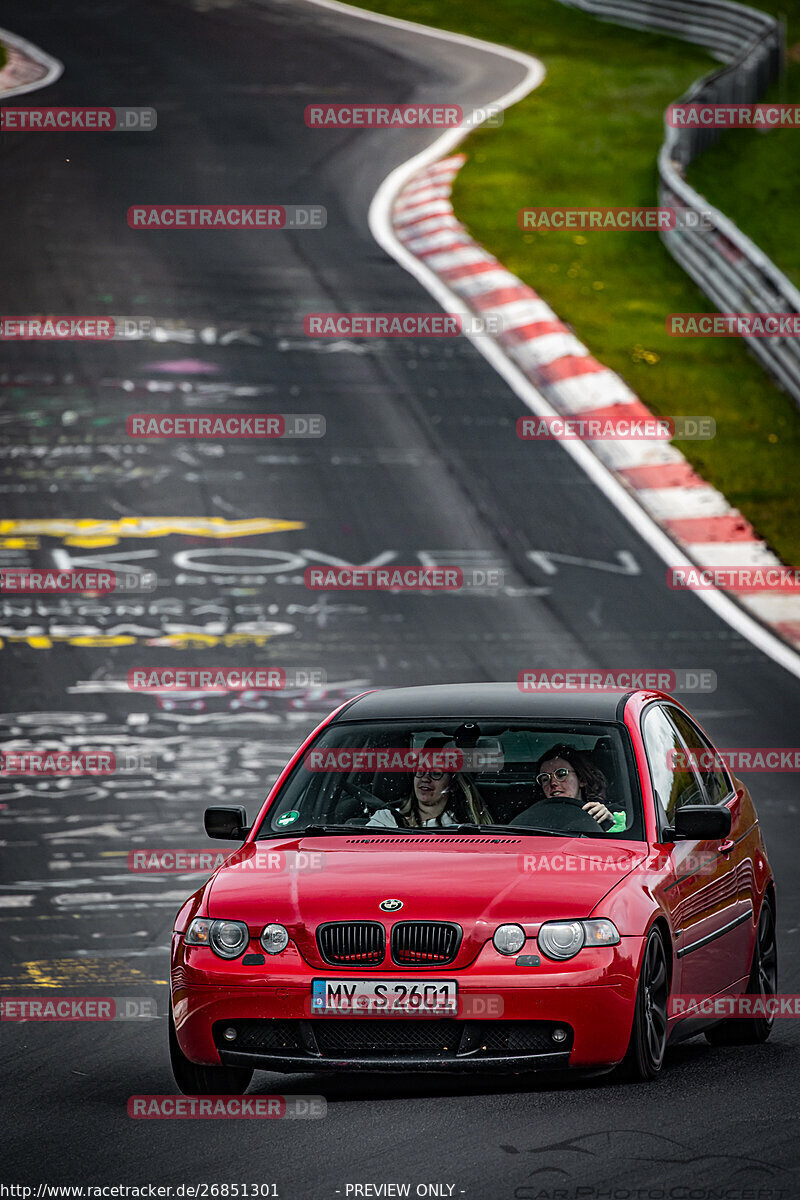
(176,641)
(74,972)
(90,532)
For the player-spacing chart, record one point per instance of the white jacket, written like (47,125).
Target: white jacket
(385,817)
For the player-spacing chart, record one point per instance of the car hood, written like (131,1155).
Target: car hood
(476,881)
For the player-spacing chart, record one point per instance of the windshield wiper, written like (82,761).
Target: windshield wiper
(312,829)
(535,829)
(315,830)
(517,829)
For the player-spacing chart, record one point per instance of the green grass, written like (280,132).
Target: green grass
(589,135)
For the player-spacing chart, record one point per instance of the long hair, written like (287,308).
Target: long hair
(591,779)
(464,805)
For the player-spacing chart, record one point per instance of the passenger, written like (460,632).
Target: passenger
(437,798)
(565,772)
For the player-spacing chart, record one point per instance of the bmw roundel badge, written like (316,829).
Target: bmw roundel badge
(390,905)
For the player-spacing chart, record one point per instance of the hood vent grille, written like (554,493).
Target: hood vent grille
(425,838)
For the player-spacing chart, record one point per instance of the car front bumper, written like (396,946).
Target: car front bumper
(505,1019)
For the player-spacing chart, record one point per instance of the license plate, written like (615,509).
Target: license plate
(405,997)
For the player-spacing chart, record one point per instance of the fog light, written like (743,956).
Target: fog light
(274,938)
(229,1034)
(509,939)
(559,1035)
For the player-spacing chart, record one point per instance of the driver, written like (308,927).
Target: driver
(437,798)
(566,773)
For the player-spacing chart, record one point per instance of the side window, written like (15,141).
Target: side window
(715,779)
(671,772)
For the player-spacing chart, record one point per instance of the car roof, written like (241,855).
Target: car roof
(464,700)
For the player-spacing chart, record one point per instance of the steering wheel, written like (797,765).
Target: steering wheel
(564,814)
(363,794)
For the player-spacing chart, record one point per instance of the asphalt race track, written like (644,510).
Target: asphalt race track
(420,458)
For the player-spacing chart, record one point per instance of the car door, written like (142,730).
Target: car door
(725,881)
(700,891)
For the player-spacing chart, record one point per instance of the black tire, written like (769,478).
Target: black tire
(194,1079)
(645,1056)
(763,981)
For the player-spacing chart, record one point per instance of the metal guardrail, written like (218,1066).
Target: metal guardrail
(729,268)
(722,27)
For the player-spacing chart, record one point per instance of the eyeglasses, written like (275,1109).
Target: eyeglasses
(559,773)
(434,775)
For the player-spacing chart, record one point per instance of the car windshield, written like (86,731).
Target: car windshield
(553,777)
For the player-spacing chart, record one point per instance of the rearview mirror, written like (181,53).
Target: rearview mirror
(226,821)
(699,822)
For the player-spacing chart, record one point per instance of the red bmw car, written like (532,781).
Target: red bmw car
(469,878)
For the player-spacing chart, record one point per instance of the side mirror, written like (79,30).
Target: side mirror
(226,822)
(699,822)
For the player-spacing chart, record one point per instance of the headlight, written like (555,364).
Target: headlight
(508,939)
(228,939)
(274,938)
(563,939)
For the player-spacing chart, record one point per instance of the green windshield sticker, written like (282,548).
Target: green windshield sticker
(288,818)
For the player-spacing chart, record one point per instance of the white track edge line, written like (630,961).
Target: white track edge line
(55,68)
